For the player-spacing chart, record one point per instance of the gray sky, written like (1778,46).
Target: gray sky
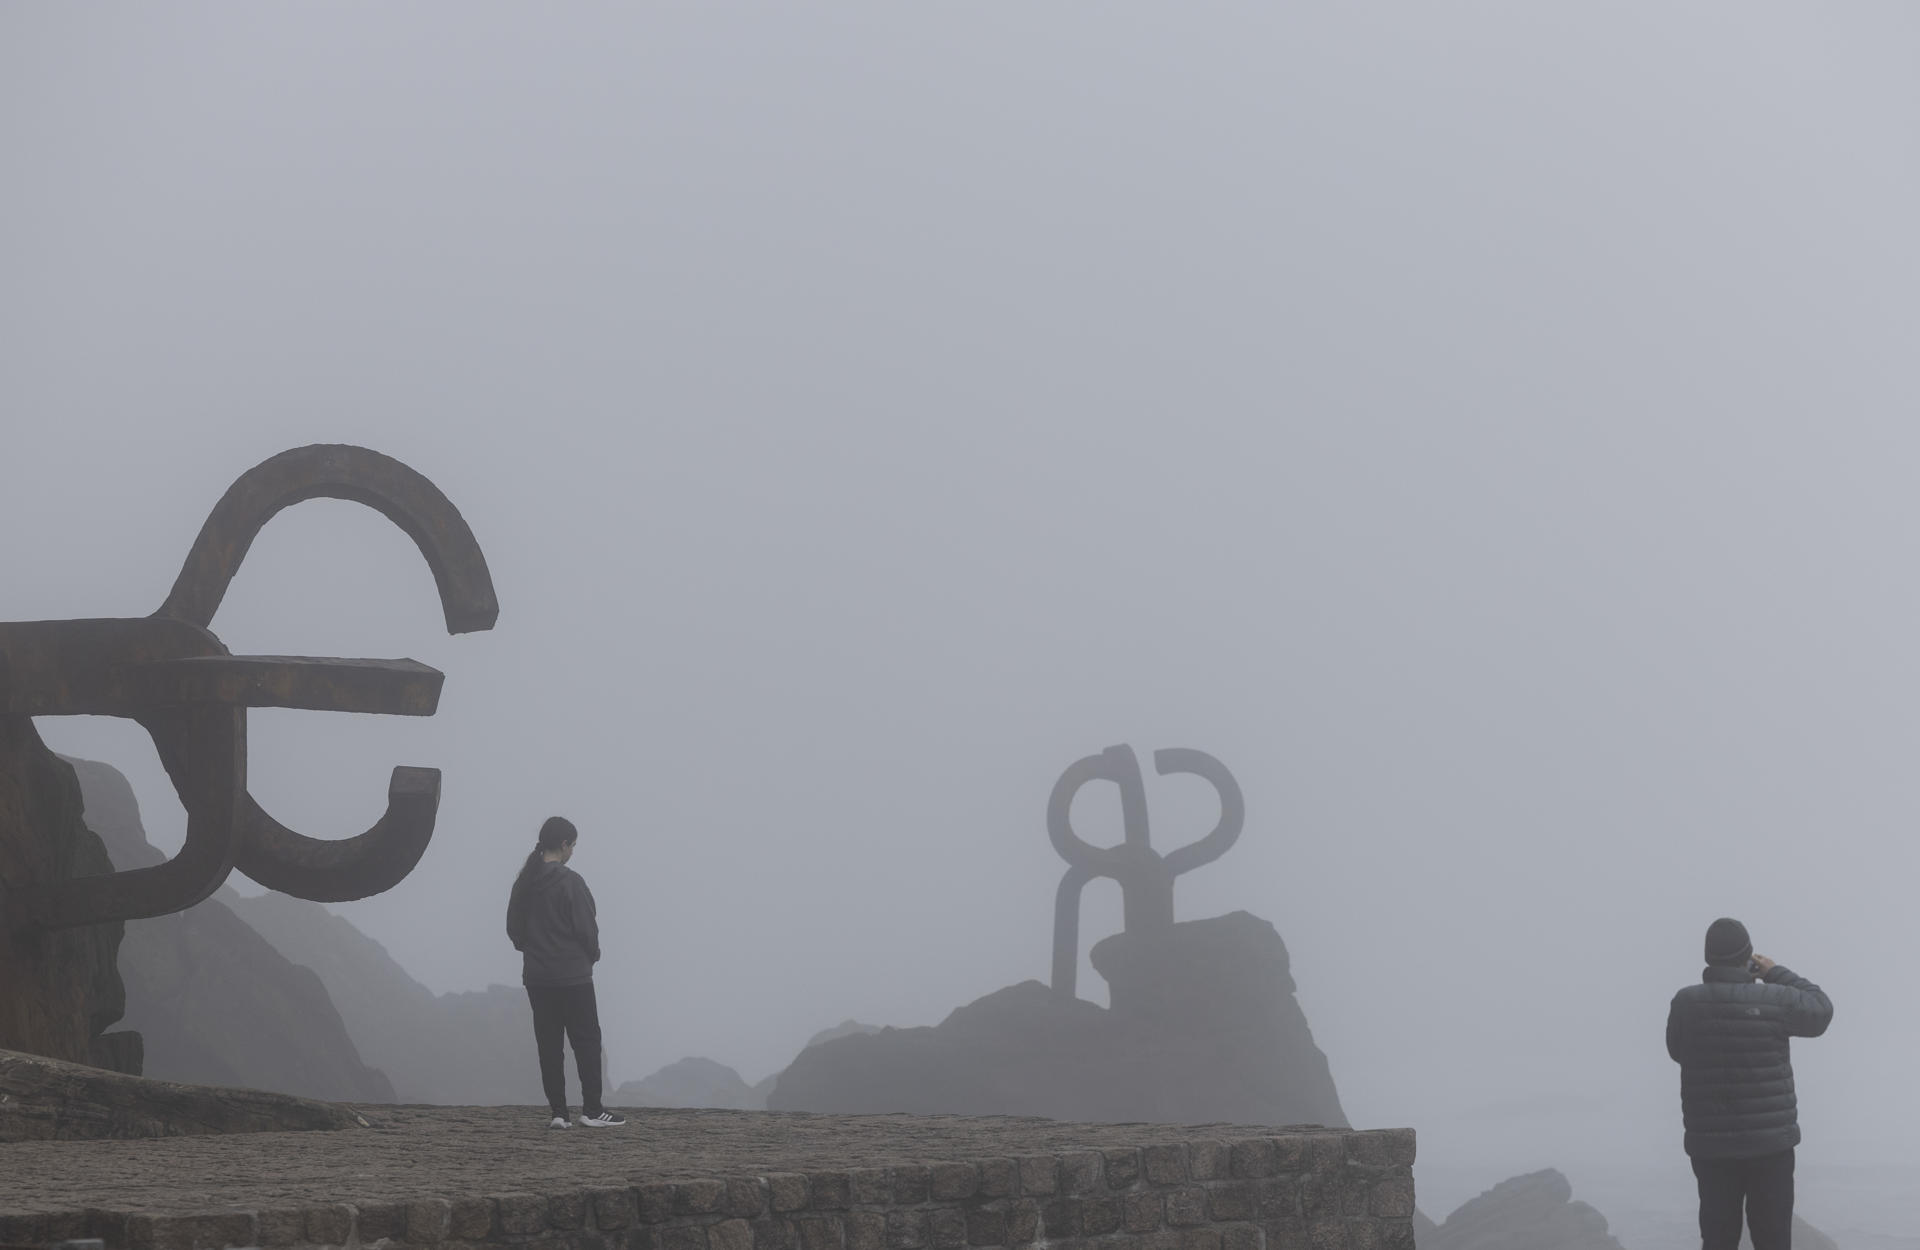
(1489,429)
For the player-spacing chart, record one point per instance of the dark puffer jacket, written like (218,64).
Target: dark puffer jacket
(1729,1036)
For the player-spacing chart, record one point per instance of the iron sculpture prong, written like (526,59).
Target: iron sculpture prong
(1144,875)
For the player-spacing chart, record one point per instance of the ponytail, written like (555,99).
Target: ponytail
(555,833)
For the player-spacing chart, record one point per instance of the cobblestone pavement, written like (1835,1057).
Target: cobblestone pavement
(457,1152)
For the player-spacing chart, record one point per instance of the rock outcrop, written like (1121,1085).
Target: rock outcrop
(700,1082)
(45,1099)
(215,1002)
(469,1048)
(60,990)
(690,1082)
(1204,1027)
(1531,1212)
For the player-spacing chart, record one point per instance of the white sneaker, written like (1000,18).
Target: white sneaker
(560,1121)
(606,1119)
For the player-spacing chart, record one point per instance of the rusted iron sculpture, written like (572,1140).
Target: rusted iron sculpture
(1145,876)
(169,673)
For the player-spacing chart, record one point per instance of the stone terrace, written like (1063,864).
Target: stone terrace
(722,1180)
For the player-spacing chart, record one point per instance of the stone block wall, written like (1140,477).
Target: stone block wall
(1297,1191)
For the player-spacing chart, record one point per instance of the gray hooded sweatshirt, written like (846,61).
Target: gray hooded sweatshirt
(551,922)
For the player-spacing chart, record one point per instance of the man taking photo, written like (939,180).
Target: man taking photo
(1729,1035)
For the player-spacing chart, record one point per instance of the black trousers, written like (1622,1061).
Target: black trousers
(572,1010)
(1764,1184)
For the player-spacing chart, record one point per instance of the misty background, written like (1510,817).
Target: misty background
(1489,429)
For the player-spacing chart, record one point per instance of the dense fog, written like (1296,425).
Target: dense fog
(1490,430)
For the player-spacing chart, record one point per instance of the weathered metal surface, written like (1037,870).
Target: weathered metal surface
(169,673)
(1145,876)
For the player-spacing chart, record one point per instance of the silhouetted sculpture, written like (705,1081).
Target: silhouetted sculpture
(1145,876)
(169,673)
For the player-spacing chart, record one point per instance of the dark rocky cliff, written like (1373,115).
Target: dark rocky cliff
(216,1003)
(1204,1027)
(60,991)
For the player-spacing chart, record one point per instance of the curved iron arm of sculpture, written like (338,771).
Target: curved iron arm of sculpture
(1119,765)
(350,868)
(1066,931)
(379,858)
(210,782)
(336,471)
(1233,806)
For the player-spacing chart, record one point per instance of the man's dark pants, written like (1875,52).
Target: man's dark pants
(1765,1184)
(572,1010)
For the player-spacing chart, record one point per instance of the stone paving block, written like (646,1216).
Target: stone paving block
(1242,1237)
(1397,1234)
(1204,1237)
(1186,1206)
(908,1230)
(1207,1160)
(699,1197)
(1023,1221)
(520,1215)
(1164,1165)
(332,1224)
(1382,1147)
(746,1197)
(1143,1210)
(866,1230)
(987,1226)
(681,1237)
(470,1220)
(1060,1218)
(1100,1214)
(1122,1168)
(1232,1201)
(1326,1234)
(830,1191)
(567,1211)
(1289,1154)
(1325,1150)
(613,1208)
(870,1186)
(1363,1235)
(1251,1158)
(772,1232)
(788,1191)
(950,1182)
(1080,1172)
(381,1221)
(948,1228)
(24,1229)
(655,1202)
(819,1232)
(999,1178)
(911,1183)
(277,1226)
(1320,1195)
(1392,1195)
(429,1221)
(1039,1175)
(733,1234)
(1278,1197)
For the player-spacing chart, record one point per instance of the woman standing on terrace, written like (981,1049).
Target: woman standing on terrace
(550,919)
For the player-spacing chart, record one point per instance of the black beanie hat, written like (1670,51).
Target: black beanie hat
(1728,943)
